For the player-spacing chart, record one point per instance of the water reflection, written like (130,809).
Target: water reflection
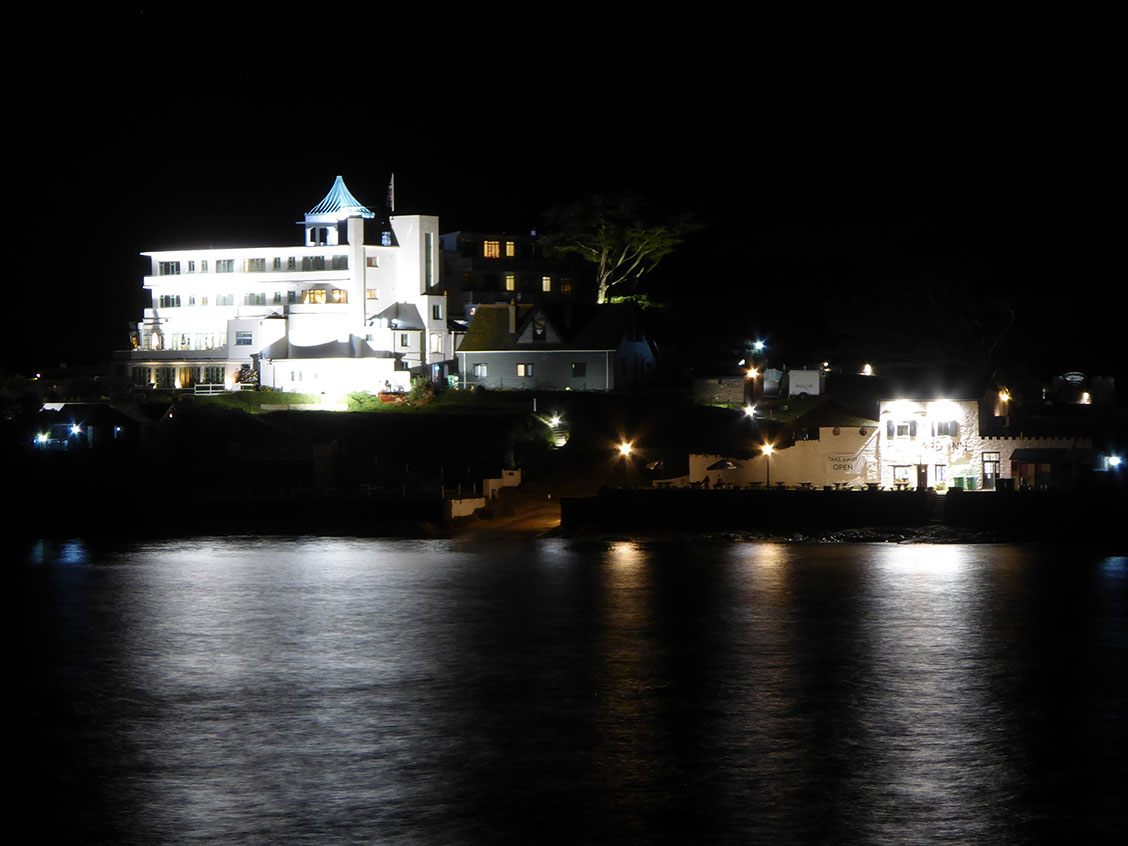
(330,690)
(929,721)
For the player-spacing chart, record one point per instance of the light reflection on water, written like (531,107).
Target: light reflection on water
(335,690)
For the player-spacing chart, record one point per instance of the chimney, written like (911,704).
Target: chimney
(512,317)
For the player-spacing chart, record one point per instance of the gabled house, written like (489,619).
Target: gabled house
(582,347)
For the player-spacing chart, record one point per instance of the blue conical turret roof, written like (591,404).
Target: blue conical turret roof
(338,204)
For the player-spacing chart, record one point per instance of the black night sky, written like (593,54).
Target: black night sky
(838,160)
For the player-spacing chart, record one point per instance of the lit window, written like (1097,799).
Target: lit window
(371,294)
(340,296)
(546,284)
(491,249)
(524,370)
(314,297)
(510,249)
(511,281)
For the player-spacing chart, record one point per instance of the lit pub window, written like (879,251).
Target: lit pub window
(491,249)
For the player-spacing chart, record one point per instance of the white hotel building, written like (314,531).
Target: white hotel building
(331,316)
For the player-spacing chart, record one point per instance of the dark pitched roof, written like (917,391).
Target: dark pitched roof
(567,327)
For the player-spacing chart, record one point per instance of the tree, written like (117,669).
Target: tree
(611,231)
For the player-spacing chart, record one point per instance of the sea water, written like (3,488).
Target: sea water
(313,690)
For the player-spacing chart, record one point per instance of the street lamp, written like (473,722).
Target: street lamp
(625,449)
(766,450)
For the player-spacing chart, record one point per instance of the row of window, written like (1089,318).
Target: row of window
(492,249)
(178,377)
(186,340)
(315,296)
(579,369)
(908,428)
(515,282)
(259,265)
(907,473)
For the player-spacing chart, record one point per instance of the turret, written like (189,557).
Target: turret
(337,219)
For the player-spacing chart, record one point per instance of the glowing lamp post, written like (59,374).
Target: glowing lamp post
(766,450)
(625,449)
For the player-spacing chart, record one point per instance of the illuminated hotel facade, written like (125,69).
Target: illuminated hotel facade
(331,316)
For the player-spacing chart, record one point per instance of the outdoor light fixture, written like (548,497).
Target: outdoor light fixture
(758,346)
(554,421)
(76,429)
(1114,461)
(1004,396)
(867,369)
(625,449)
(750,410)
(41,437)
(943,410)
(751,374)
(766,450)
